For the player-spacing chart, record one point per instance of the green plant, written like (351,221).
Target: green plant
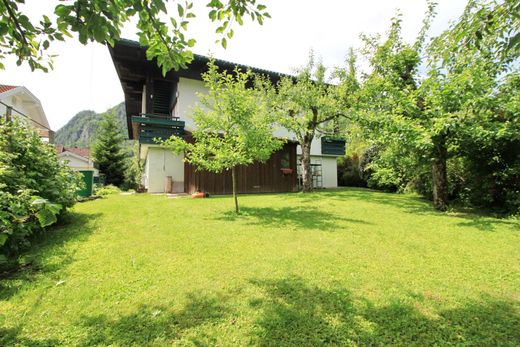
(234,125)
(107,190)
(168,42)
(34,186)
(108,151)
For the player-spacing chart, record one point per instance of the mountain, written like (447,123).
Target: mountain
(80,131)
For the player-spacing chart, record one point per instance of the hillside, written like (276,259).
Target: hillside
(81,130)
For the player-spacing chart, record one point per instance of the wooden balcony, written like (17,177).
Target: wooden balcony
(332,146)
(154,128)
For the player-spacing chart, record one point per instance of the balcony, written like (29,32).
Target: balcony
(150,128)
(332,146)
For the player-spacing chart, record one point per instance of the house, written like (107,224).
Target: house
(18,102)
(158,107)
(79,159)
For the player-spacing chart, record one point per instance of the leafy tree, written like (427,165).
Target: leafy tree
(308,106)
(102,21)
(234,124)
(108,152)
(422,121)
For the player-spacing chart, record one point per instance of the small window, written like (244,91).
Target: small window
(285,161)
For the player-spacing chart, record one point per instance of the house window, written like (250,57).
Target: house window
(285,161)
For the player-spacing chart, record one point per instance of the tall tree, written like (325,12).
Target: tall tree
(421,120)
(307,107)
(233,124)
(102,21)
(108,153)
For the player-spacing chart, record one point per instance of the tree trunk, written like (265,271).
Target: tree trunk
(439,175)
(234,183)
(306,166)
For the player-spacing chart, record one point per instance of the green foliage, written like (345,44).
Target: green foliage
(309,107)
(454,126)
(34,186)
(107,190)
(108,152)
(349,173)
(233,123)
(134,169)
(348,267)
(102,21)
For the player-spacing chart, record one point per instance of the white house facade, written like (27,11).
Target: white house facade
(160,106)
(24,106)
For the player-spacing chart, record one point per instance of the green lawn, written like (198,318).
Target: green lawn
(347,267)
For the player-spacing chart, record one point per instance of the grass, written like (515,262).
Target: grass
(346,267)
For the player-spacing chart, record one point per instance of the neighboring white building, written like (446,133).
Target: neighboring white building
(76,158)
(26,107)
(159,107)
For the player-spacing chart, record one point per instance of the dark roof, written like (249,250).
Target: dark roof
(199,59)
(133,69)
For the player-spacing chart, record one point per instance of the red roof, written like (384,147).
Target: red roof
(4,88)
(82,152)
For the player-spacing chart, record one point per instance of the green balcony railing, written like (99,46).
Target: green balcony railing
(153,128)
(332,146)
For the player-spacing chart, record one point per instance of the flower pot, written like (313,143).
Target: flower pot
(286,171)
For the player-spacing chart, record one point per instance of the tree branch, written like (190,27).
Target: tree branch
(16,23)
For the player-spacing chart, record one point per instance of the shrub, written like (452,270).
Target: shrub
(34,186)
(349,173)
(107,190)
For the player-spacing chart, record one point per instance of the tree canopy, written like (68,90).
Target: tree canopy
(234,124)
(162,26)
(428,106)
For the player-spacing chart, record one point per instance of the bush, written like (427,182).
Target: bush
(349,173)
(107,190)
(34,186)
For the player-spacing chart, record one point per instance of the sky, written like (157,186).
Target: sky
(84,76)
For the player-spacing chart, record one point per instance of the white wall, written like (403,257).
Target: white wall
(188,99)
(22,101)
(77,163)
(329,168)
(161,163)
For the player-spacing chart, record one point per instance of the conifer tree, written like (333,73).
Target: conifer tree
(108,153)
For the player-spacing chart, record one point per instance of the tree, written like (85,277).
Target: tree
(465,84)
(423,120)
(108,152)
(102,21)
(233,124)
(307,106)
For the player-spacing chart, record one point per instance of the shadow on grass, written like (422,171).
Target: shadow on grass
(297,216)
(11,337)
(296,314)
(410,204)
(156,325)
(50,243)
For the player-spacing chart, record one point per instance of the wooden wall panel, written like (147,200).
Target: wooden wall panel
(255,178)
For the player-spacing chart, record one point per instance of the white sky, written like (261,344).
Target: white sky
(84,76)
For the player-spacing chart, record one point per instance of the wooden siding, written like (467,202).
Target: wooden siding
(255,178)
